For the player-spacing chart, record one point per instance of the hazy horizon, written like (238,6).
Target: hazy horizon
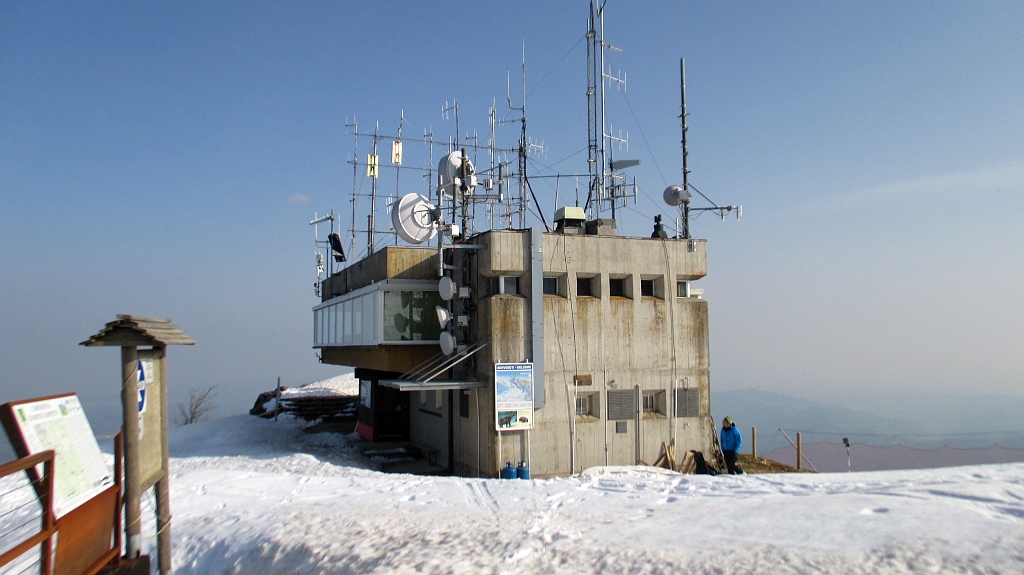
(166,159)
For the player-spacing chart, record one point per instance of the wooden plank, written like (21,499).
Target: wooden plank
(86,534)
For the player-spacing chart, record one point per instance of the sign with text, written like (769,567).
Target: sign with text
(151,423)
(513,396)
(59,423)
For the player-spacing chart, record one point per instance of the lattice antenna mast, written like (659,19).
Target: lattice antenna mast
(595,161)
(685,206)
(599,157)
(371,169)
(354,126)
(524,200)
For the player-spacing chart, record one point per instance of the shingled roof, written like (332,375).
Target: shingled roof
(130,330)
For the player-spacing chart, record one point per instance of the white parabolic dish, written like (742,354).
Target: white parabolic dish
(412,216)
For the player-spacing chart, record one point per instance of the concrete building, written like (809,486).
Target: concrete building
(616,337)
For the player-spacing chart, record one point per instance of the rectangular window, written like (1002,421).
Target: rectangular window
(584,286)
(507,285)
(682,289)
(647,288)
(410,316)
(587,405)
(654,402)
(617,287)
(550,286)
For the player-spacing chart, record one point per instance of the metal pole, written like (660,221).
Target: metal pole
(799,451)
(686,171)
(753,441)
(373,197)
(132,487)
(639,416)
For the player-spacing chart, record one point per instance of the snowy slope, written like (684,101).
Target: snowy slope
(253,496)
(245,502)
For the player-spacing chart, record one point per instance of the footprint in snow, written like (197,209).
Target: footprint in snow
(875,511)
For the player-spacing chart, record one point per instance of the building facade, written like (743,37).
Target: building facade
(616,337)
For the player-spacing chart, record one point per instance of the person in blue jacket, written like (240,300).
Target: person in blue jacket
(731,440)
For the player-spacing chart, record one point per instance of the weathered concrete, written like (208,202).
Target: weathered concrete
(593,344)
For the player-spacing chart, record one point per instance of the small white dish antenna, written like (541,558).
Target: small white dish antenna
(443,316)
(675,195)
(413,218)
(448,343)
(448,289)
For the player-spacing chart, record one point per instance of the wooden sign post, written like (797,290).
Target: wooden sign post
(144,408)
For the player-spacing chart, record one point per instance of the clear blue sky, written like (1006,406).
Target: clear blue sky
(165,159)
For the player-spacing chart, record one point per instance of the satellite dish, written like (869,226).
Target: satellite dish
(675,195)
(448,343)
(443,316)
(449,171)
(413,218)
(447,288)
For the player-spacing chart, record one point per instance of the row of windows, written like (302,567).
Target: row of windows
(591,286)
(385,312)
(622,404)
(618,286)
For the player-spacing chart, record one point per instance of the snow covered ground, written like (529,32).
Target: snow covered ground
(257,497)
(252,496)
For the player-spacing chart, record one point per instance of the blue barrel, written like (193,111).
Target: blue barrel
(523,471)
(508,472)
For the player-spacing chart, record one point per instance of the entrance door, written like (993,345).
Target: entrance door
(391,414)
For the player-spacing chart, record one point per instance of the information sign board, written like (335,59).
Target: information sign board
(151,450)
(513,396)
(59,423)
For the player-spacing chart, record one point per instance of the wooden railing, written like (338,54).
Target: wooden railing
(44,490)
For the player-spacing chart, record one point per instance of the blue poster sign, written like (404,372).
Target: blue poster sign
(513,396)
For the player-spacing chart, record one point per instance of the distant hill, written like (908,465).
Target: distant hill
(915,420)
(832,457)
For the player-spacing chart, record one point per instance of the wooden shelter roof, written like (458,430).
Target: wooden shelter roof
(130,330)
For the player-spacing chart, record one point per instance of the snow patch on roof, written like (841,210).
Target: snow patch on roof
(345,384)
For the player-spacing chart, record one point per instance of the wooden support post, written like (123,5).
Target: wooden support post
(132,471)
(799,451)
(163,485)
(753,441)
(45,561)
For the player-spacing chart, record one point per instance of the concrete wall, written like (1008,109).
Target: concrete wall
(593,344)
(622,342)
(392,262)
(428,421)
